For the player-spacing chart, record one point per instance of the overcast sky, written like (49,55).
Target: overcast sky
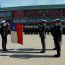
(11,3)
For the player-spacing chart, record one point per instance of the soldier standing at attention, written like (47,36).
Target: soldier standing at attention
(57,36)
(4,31)
(42,28)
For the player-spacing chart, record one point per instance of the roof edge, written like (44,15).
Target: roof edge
(33,7)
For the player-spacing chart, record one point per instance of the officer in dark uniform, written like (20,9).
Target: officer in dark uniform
(4,31)
(42,28)
(57,36)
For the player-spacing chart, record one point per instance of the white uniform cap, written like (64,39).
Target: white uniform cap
(57,20)
(44,21)
(3,21)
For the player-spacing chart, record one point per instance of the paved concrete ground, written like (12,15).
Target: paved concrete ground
(28,53)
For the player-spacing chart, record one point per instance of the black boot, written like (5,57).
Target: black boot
(54,49)
(42,51)
(58,53)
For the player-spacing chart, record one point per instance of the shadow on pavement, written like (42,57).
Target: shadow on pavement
(25,50)
(26,56)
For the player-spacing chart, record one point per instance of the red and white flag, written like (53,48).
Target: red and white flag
(16,33)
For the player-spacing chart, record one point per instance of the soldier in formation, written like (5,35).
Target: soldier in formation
(42,30)
(57,36)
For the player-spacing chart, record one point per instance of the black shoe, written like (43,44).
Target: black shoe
(56,55)
(42,52)
(5,50)
(54,49)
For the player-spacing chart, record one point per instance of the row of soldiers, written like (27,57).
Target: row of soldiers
(34,29)
(56,33)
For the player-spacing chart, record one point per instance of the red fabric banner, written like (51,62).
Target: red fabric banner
(19,28)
